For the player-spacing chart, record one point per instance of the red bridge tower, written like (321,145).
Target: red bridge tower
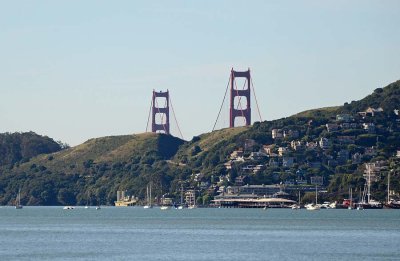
(161,112)
(245,113)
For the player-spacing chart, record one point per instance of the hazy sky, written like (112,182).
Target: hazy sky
(74,70)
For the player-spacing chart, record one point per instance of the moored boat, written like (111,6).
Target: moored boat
(391,203)
(18,200)
(395,204)
(314,206)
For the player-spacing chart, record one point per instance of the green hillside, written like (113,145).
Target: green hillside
(332,143)
(20,147)
(94,170)
(108,150)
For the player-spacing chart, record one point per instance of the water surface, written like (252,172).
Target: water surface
(51,233)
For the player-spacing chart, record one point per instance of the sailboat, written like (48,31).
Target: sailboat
(370,203)
(181,206)
(163,206)
(148,197)
(88,201)
(18,200)
(360,204)
(98,203)
(351,199)
(391,203)
(297,206)
(314,206)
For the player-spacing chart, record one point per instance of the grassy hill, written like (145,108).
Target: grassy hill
(17,147)
(95,170)
(326,112)
(107,150)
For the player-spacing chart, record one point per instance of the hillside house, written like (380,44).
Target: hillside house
(301,181)
(398,154)
(291,134)
(369,127)
(253,168)
(344,117)
(277,133)
(287,162)
(236,154)
(239,180)
(228,165)
(311,145)
(371,151)
(370,112)
(347,125)
(297,145)
(317,180)
(204,184)
(258,156)
(346,139)
(232,190)
(331,127)
(269,149)
(282,151)
(324,143)
(289,182)
(356,158)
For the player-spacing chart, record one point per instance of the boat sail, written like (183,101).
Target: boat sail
(18,200)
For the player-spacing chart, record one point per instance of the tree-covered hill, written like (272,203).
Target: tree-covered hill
(387,98)
(92,171)
(332,144)
(20,147)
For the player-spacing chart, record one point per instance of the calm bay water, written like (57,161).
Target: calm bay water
(51,233)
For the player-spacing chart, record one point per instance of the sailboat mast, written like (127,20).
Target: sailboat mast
(316,194)
(19,196)
(388,188)
(369,184)
(181,194)
(147,194)
(351,196)
(299,198)
(150,196)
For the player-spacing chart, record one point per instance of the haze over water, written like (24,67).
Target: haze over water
(51,233)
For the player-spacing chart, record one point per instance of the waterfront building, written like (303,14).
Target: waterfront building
(124,200)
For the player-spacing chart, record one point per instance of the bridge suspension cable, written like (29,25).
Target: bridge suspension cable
(255,98)
(176,121)
(148,118)
(222,104)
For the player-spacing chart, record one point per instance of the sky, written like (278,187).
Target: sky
(75,70)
